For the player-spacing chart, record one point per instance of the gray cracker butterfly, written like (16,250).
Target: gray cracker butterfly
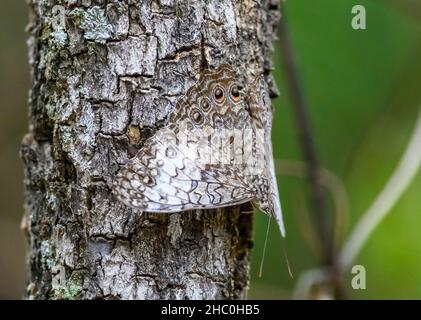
(215,152)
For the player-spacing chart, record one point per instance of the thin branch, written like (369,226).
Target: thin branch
(401,178)
(309,153)
(307,280)
(331,183)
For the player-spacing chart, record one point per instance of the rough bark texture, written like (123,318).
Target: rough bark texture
(102,84)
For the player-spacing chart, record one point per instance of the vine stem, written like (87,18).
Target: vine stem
(400,180)
(300,107)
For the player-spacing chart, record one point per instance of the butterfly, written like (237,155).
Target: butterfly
(214,152)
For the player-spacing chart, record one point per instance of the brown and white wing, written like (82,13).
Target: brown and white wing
(167,177)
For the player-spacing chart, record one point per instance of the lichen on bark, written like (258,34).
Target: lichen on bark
(102,84)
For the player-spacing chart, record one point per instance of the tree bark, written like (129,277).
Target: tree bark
(103,81)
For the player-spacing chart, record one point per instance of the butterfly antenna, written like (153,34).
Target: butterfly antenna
(287,262)
(264,248)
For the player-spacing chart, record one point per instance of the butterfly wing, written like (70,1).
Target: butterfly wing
(169,173)
(261,113)
(166,176)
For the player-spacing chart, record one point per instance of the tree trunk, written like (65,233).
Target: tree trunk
(106,75)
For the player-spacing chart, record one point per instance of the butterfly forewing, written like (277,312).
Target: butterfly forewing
(209,154)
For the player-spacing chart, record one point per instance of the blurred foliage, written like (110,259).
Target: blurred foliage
(14,84)
(363,88)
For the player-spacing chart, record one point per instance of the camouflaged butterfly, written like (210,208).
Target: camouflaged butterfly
(215,152)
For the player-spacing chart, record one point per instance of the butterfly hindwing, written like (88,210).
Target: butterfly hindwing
(176,183)
(215,151)
(170,174)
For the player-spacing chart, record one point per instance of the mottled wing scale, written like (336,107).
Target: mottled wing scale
(175,183)
(261,113)
(165,175)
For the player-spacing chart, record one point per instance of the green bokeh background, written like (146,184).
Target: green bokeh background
(364,92)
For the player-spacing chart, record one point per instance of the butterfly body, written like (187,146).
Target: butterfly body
(215,152)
